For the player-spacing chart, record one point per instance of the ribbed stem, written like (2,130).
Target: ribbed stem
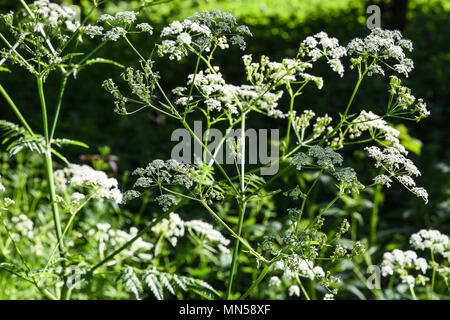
(242,207)
(49,173)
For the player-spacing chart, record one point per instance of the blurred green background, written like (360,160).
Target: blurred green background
(278,28)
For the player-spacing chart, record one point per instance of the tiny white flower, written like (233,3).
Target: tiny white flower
(294,291)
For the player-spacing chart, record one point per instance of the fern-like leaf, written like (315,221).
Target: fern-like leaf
(65,142)
(9,131)
(166,282)
(132,282)
(158,281)
(16,139)
(154,285)
(253,182)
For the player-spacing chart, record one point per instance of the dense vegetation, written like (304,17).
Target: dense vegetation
(180,255)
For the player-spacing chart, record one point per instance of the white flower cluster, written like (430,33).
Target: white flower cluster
(117,25)
(327,159)
(399,167)
(6,201)
(320,45)
(405,100)
(53,15)
(164,174)
(174,227)
(145,27)
(8,18)
(22,227)
(294,290)
(77,197)
(294,264)
(392,159)
(84,176)
(274,281)
(114,34)
(166,201)
(218,94)
(348,180)
(303,121)
(209,233)
(171,229)
(401,259)
(321,126)
(201,32)
(328,296)
(141,82)
(300,160)
(124,17)
(109,238)
(160,171)
(381,45)
(383,179)
(120,101)
(272,73)
(401,262)
(51,26)
(368,121)
(92,31)
(432,240)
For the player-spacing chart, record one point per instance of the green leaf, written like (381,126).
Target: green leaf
(159,281)
(3,69)
(17,139)
(72,55)
(102,60)
(65,142)
(60,156)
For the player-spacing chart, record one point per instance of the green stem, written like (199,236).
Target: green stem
(78,28)
(130,242)
(198,140)
(193,79)
(354,93)
(15,109)
(288,133)
(257,281)
(302,287)
(32,280)
(54,205)
(269,182)
(40,87)
(91,53)
(433,276)
(134,49)
(49,167)
(234,263)
(58,106)
(66,229)
(374,218)
(13,49)
(304,201)
(413,293)
(355,90)
(140,234)
(234,234)
(242,207)
(41,31)
(324,210)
